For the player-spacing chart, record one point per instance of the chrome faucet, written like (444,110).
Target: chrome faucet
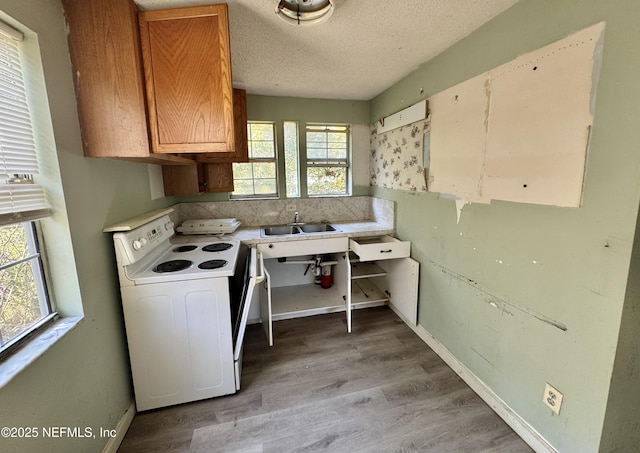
(295,217)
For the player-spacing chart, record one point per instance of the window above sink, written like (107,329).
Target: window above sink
(287,162)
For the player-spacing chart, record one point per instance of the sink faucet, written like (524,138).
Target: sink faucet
(296,220)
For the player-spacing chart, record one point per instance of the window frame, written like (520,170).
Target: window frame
(252,160)
(37,258)
(285,161)
(315,127)
(303,162)
(24,201)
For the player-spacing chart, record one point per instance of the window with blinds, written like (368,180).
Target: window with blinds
(25,305)
(20,198)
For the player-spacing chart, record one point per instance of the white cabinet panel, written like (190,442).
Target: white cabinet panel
(266,310)
(402,287)
(380,248)
(303,247)
(392,278)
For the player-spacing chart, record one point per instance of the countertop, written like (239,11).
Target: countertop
(251,235)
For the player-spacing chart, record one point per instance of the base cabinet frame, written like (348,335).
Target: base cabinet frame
(357,284)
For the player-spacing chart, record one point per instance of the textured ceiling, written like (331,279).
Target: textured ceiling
(365,47)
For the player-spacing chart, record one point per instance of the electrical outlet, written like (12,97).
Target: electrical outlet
(291,207)
(552,398)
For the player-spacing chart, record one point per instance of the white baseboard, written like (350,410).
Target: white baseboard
(517,423)
(121,429)
(403,317)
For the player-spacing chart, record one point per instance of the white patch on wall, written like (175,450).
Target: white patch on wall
(404,117)
(519,132)
(457,139)
(156,183)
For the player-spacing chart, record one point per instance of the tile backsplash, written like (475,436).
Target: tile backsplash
(274,212)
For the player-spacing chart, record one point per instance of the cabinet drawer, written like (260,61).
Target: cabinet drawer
(305,247)
(380,248)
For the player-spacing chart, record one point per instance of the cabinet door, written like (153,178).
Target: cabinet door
(183,180)
(347,297)
(216,172)
(186,180)
(187,69)
(402,287)
(241,152)
(266,311)
(104,44)
(218,177)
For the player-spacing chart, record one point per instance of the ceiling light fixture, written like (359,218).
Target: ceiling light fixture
(304,12)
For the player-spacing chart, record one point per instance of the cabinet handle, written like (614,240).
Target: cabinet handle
(386,251)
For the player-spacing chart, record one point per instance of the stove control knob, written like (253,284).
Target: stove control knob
(137,244)
(168,226)
(143,242)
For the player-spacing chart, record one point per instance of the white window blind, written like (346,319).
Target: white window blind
(20,198)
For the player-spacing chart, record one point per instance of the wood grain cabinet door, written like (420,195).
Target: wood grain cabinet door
(187,68)
(103,43)
(241,151)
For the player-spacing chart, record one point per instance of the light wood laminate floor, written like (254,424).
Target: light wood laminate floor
(378,389)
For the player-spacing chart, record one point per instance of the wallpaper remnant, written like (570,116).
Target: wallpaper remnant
(397,157)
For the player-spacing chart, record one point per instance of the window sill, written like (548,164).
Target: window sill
(38,345)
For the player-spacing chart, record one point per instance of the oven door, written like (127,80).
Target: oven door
(252,277)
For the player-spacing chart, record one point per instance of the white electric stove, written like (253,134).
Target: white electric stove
(185,310)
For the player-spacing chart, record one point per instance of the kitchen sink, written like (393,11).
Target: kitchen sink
(301,228)
(316,227)
(280,230)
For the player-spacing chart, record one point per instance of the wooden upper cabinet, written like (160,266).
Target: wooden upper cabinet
(241,152)
(186,180)
(104,45)
(187,67)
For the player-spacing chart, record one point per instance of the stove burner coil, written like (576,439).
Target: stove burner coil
(217,247)
(185,248)
(212,264)
(172,266)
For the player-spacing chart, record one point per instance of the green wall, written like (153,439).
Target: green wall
(84,379)
(526,294)
(481,294)
(621,431)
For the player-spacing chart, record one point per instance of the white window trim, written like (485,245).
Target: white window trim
(273,160)
(55,228)
(36,346)
(329,162)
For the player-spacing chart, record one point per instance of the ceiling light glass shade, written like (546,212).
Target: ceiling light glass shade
(304,12)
